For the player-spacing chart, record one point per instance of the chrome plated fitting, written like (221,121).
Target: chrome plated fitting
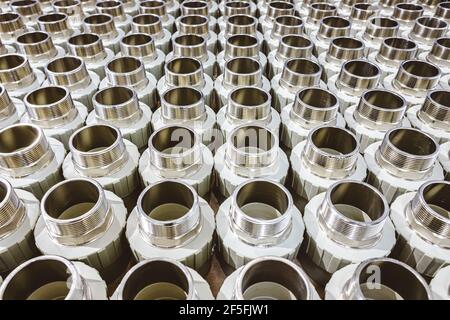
(318,11)
(187,72)
(20,211)
(283,25)
(341,50)
(345,7)
(57,26)
(377,279)
(130,72)
(268,278)
(173,7)
(195,24)
(119,106)
(378,29)
(360,15)
(63,280)
(29,10)
(171,220)
(355,77)
(176,152)
(240,71)
(390,55)
(397,166)
(440,283)
(259,219)
(406,14)
(231,8)
(29,160)
(71,73)
(297,74)
(429,6)
(115,9)
(329,28)
(103,25)
(131,7)
(158,8)
(225,10)
(241,45)
(186,106)
(17,76)
(197,7)
(82,222)
(290,47)
(73,10)
(53,110)
(193,46)
(39,49)
(11,109)
(248,105)
(89,47)
(251,151)
(349,223)
(142,46)
(329,154)
(274,10)
(443,11)
(386,7)
(162,279)
(239,24)
(377,111)
(422,222)
(425,31)
(413,80)
(12,26)
(88,6)
(439,54)
(444,158)
(433,116)
(99,152)
(312,107)
(151,24)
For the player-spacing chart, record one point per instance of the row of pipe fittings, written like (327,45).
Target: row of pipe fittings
(322,129)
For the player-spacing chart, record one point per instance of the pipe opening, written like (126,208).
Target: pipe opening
(249,96)
(433,23)
(322,6)
(242,40)
(137,39)
(384,22)
(423,144)
(182,96)
(289,21)
(237,4)
(195,4)
(46,96)
(241,20)
(94,138)
(146,19)
(108,4)
(193,20)
(16,138)
(436,196)
(383,99)
(302,66)
(66,3)
(253,139)
(421,69)
(124,65)
(32,37)
(336,22)
(347,43)
(97,19)
(114,96)
(9,17)
(409,7)
(84,39)
(334,140)
(444,42)
(189,40)
(361,68)
(281,5)
(63,65)
(183,65)
(296,41)
(52,17)
(400,43)
(243,65)
(442,98)
(11,61)
(173,140)
(152,4)
(317,98)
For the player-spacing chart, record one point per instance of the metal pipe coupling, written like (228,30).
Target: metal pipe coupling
(318,11)
(159,8)
(274,10)
(171,220)
(19,213)
(176,152)
(11,26)
(29,160)
(225,10)
(162,279)
(103,25)
(283,25)
(187,72)
(349,223)
(186,106)
(52,277)
(90,48)
(425,31)
(99,152)
(330,28)
(116,10)
(440,283)
(360,14)
(406,14)
(443,11)
(248,105)
(341,49)
(330,153)
(355,77)
(439,55)
(151,24)
(17,76)
(268,278)
(259,219)
(297,74)
(378,29)
(377,111)
(80,221)
(422,222)
(130,72)
(377,279)
(197,7)
(73,10)
(240,71)
(241,45)
(386,7)
(53,110)
(311,108)
(239,24)
(193,46)
(142,46)
(57,26)
(413,80)
(119,106)
(29,10)
(290,47)
(433,116)
(345,7)
(71,72)
(429,6)
(199,25)
(251,151)
(397,166)
(231,8)
(11,109)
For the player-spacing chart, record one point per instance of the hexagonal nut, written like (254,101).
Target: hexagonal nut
(440,283)
(440,135)
(93,280)
(338,281)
